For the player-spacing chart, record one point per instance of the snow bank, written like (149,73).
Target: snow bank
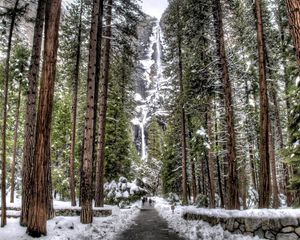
(193,229)
(70,228)
(250,213)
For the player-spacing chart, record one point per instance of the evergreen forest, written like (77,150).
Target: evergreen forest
(103,105)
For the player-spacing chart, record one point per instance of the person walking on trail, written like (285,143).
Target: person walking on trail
(150,202)
(173,207)
(143,201)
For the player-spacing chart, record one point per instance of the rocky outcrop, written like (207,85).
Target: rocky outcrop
(287,228)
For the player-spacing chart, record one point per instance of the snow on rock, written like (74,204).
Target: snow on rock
(125,194)
(201,132)
(298,81)
(61,223)
(134,189)
(135,121)
(138,97)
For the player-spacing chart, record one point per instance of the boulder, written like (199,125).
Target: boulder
(252,224)
(297,230)
(275,225)
(260,233)
(242,228)
(289,222)
(236,225)
(286,236)
(269,235)
(229,224)
(287,229)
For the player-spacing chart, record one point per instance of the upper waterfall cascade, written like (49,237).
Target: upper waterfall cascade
(149,97)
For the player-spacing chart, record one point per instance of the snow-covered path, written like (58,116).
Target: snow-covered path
(149,226)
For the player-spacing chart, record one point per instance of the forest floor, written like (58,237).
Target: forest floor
(149,225)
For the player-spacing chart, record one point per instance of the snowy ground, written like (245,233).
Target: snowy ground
(193,230)
(70,228)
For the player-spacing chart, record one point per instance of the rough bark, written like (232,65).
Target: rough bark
(275,192)
(74,111)
(232,183)
(286,81)
(49,198)
(99,52)
(86,181)
(250,142)
(293,9)
(204,177)
(13,162)
(194,184)
(6,80)
(265,182)
(38,200)
(99,191)
(30,118)
(182,109)
(219,169)
(211,162)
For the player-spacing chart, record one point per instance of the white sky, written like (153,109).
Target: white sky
(154,8)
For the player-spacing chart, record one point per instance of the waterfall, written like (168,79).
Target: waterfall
(148,101)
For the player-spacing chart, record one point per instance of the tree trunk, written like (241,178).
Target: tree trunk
(50,209)
(86,182)
(265,183)
(6,73)
(275,191)
(13,163)
(97,90)
(273,132)
(184,156)
(194,184)
(232,184)
(293,9)
(74,111)
(250,140)
(211,162)
(286,81)
(99,191)
(30,118)
(38,207)
(253,167)
(182,107)
(203,168)
(219,170)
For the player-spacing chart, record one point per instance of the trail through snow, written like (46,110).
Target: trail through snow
(149,226)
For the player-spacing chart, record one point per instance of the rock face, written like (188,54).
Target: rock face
(265,228)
